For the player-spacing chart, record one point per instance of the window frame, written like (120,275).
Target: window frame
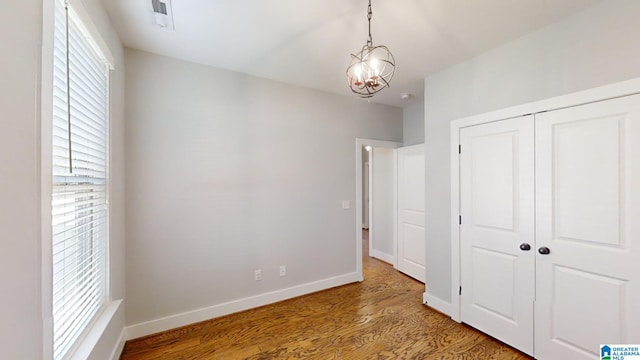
(95,327)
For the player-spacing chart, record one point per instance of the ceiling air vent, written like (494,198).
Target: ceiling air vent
(159,7)
(162,14)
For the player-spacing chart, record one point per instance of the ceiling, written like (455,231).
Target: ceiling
(307,43)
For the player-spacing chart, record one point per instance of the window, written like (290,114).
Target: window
(79,180)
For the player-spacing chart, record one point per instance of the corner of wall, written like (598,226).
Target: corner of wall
(210,312)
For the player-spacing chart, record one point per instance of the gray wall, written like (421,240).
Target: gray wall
(413,124)
(228,173)
(595,47)
(382,206)
(22,308)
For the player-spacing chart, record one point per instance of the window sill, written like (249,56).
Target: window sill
(94,334)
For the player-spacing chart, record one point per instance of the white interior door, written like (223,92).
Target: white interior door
(382,205)
(497,215)
(411,241)
(588,216)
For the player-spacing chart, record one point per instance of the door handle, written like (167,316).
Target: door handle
(525,247)
(544,250)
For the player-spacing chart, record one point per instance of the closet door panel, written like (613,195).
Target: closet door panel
(587,211)
(497,208)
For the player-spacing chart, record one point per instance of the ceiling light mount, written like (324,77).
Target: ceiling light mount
(371,69)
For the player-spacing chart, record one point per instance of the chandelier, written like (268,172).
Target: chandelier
(372,68)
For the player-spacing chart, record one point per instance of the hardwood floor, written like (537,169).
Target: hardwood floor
(379,318)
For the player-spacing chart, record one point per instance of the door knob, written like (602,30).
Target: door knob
(544,250)
(525,247)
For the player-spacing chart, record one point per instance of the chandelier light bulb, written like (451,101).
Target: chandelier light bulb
(358,75)
(374,68)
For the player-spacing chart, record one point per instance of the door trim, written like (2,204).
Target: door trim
(360,142)
(606,92)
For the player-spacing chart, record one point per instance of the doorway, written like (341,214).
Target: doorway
(384,147)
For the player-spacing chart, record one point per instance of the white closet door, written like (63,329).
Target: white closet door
(411,247)
(588,216)
(497,208)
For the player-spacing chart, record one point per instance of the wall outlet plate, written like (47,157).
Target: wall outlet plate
(283,270)
(258,275)
(346,204)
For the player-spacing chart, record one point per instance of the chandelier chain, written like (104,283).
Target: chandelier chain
(372,68)
(369,15)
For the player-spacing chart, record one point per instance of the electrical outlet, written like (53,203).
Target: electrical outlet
(283,270)
(258,275)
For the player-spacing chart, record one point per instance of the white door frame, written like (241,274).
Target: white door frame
(365,215)
(606,92)
(360,143)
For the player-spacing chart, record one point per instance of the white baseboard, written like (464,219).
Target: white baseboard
(117,351)
(436,303)
(210,312)
(383,256)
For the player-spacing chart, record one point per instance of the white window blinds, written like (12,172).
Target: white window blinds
(79,194)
